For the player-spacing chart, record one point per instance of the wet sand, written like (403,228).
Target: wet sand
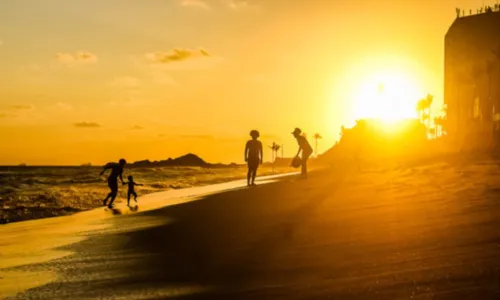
(27,248)
(409,232)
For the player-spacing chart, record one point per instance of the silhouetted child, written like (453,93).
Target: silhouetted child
(131,190)
(253,156)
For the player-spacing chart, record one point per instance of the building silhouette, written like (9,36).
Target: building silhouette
(472,73)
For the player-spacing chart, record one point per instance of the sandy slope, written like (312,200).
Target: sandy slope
(409,232)
(26,245)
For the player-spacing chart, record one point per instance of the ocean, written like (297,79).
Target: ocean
(32,192)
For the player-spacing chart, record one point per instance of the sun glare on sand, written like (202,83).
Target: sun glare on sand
(389,96)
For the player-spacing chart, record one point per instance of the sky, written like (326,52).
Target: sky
(97,80)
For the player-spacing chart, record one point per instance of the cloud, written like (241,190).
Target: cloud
(18,111)
(7,115)
(180,59)
(81,57)
(86,125)
(60,106)
(126,82)
(137,127)
(176,55)
(203,4)
(195,3)
(22,107)
(236,4)
(58,110)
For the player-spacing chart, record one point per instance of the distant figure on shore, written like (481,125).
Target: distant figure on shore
(131,190)
(306,149)
(116,172)
(253,156)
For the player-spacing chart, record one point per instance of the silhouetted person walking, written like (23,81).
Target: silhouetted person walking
(253,156)
(131,190)
(116,172)
(306,149)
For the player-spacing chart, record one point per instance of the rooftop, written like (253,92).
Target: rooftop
(484,23)
(463,13)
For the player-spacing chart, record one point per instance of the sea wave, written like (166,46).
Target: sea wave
(40,192)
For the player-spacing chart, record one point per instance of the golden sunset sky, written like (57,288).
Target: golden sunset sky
(96,80)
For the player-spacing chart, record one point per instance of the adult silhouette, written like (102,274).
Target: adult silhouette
(305,148)
(116,172)
(253,156)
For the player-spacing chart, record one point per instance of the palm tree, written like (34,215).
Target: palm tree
(428,102)
(274,148)
(317,137)
(424,110)
(440,123)
(424,107)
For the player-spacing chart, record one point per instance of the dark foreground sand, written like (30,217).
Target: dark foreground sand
(410,232)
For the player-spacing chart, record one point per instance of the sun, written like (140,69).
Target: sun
(387,95)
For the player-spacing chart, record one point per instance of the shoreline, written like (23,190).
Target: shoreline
(40,241)
(40,195)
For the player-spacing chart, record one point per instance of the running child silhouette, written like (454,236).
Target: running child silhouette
(253,156)
(131,190)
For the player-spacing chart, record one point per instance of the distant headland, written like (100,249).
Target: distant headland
(188,160)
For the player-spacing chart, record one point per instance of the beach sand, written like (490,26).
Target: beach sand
(427,231)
